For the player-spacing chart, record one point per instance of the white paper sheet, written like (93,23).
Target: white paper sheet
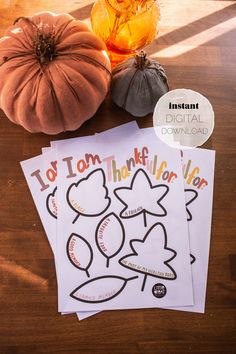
(41,171)
(197,163)
(152,179)
(198,169)
(198,172)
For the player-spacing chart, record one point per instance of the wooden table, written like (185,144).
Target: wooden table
(197,46)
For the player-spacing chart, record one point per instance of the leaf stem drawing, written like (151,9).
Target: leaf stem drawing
(145,219)
(144,282)
(76,218)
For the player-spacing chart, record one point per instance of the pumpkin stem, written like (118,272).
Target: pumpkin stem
(141,60)
(44,47)
(44,44)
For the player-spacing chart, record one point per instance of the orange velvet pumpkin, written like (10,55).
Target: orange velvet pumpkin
(54,73)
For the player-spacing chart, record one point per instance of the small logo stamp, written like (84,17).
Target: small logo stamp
(159,290)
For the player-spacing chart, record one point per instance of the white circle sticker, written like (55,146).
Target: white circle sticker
(183,119)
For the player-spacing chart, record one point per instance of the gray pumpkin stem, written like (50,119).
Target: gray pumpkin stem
(141,60)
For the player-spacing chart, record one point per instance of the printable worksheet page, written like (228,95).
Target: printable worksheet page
(122,227)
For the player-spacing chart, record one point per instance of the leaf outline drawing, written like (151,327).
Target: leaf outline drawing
(135,253)
(50,195)
(89,248)
(189,201)
(77,184)
(125,280)
(122,239)
(143,210)
(194,193)
(192,258)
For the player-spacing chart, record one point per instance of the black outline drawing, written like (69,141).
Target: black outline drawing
(98,278)
(90,249)
(76,185)
(123,237)
(134,253)
(193,258)
(189,218)
(143,211)
(189,215)
(47,202)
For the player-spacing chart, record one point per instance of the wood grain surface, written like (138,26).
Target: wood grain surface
(197,46)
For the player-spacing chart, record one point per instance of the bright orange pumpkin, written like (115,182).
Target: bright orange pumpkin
(54,73)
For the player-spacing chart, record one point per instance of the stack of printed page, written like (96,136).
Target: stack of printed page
(128,219)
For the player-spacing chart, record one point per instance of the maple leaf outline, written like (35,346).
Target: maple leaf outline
(189,201)
(135,253)
(143,211)
(76,185)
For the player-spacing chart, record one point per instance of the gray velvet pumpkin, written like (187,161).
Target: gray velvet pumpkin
(137,84)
